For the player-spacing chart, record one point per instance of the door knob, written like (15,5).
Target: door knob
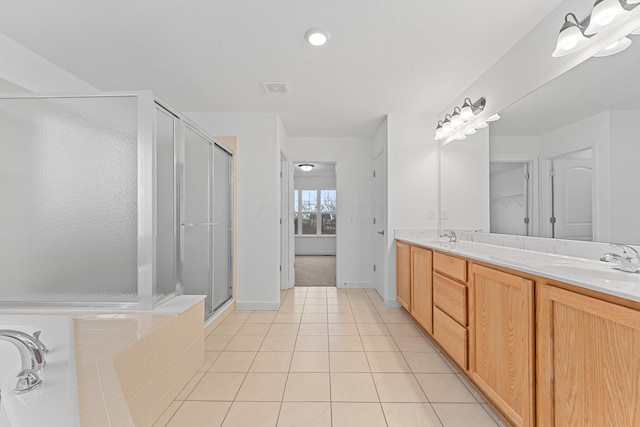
(380,232)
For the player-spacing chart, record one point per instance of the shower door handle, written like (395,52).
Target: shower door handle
(194,224)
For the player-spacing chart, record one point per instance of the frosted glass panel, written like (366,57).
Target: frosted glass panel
(165,216)
(222,227)
(68,185)
(196,264)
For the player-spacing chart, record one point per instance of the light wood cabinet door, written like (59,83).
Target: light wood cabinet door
(588,361)
(422,287)
(501,341)
(403,275)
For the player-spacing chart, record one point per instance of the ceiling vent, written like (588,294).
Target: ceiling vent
(275,88)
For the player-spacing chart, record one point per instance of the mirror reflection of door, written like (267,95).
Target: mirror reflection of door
(509,192)
(571,192)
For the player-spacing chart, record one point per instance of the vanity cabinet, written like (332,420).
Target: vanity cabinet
(501,341)
(403,275)
(422,287)
(588,361)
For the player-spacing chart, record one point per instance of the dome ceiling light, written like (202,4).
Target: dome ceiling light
(306,167)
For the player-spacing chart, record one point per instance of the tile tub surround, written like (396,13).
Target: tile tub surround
(130,367)
(354,362)
(539,257)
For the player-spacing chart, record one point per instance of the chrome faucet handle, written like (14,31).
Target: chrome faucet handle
(28,380)
(451,235)
(36,337)
(625,248)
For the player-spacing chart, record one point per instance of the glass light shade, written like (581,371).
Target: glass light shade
(306,167)
(570,39)
(461,137)
(446,126)
(615,47)
(481,125)
(456,120)
(439,133)
(604,14)
(493,118)
(470,131)
(466,112)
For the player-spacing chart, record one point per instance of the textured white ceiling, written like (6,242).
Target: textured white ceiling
(384,56)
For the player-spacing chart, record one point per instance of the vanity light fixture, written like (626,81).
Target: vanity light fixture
(316,36)
(493,118)
(576,35)
(454,125)
(604,14)
(461,137)
(481,125)
(306,167)
(470,109)
(571,37)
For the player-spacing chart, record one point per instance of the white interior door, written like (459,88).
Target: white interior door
(572,198)
(379,222)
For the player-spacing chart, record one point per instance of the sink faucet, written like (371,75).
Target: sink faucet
(37,347)
(629,261)
(28,378)
(451,235)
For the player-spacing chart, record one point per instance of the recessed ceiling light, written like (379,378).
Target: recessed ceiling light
(316,36)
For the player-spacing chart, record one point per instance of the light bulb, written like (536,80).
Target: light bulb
(466,112)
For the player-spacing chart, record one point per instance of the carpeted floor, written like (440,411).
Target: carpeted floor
(315,270)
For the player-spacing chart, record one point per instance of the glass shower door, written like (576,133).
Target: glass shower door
(198,210)
(222,284)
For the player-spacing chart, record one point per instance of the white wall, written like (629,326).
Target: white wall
(258,203)
(353,183)
(624,154)
(32,72)
(413,183)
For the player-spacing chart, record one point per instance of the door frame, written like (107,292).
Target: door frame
(292,246)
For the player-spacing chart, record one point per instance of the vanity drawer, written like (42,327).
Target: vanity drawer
(451,336)
(450,297)
(450,266)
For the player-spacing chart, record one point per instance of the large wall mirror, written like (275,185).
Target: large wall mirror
(564,162)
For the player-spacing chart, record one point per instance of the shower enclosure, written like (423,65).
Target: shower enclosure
(110,200)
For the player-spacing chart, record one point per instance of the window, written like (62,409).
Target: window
(314,212)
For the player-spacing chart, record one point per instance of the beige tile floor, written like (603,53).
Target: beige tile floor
(328,357)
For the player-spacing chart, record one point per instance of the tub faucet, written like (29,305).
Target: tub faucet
(38,349)
(451,235)
(629,261)
(28,378)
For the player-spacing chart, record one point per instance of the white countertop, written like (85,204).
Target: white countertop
(589,274)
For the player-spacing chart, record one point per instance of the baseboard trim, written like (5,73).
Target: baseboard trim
(355,285)
(391,303)
(257,305)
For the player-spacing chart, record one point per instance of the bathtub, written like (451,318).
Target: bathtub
(55,402)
